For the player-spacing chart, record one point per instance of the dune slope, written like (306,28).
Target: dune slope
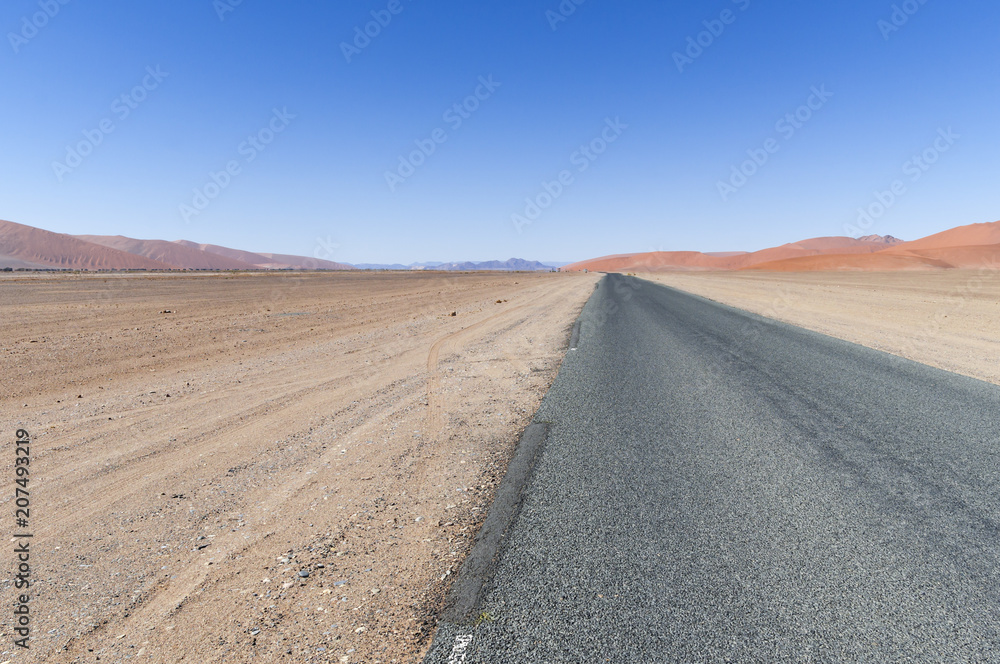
(34,246)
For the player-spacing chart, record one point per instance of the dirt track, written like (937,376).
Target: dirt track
(188,465)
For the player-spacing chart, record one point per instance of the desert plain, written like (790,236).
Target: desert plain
(944,318)
(202,442)
(291,467)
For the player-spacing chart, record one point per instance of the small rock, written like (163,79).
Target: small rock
(304,573)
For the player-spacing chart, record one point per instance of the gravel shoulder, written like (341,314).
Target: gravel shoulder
(236,468)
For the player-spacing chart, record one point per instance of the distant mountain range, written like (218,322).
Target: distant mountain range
(511,265)
(25,247)
(397,266)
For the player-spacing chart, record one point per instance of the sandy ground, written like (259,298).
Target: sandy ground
(947,319)
(190,468)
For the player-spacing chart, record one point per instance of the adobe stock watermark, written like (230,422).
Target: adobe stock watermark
(454,116)
(562,13)
(604,309)
(31,25)
(249,149)
(582,159)
(900,16)
(786,128)
(913,169)
(714,28)
(363,35)
(325,248)
(223,7)
(121,108)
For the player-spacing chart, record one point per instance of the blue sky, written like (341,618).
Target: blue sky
(309,129)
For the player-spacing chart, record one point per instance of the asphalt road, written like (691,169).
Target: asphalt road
(718,487)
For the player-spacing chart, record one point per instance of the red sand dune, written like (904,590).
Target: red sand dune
(968,257)
(812,247)
(837,243)
(33,248)
(26,244)
(269,261)
(973,246)
(856,262)
(235,254)
(962,236)
(977,245)
(693,260)
(652,261)
(171,253)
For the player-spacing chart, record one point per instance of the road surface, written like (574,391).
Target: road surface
(713,486)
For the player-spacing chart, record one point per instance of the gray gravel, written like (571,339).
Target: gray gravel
(719,487)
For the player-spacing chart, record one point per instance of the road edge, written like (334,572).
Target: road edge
(461,614)
(466,591)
